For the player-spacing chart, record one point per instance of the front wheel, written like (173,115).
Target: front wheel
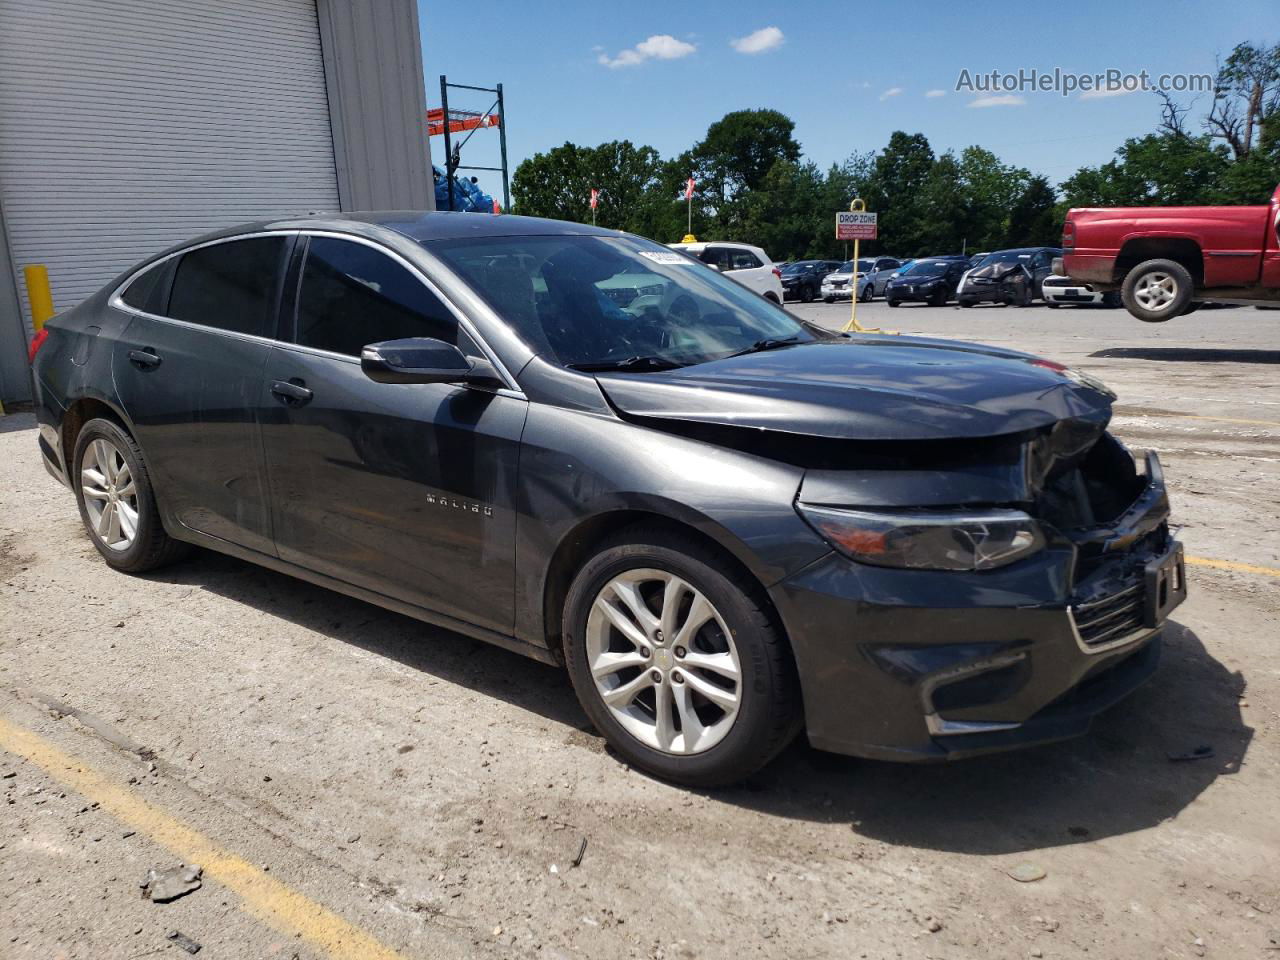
(117,505)
(680,668)
(1157,290)
(892,303)
(867,294)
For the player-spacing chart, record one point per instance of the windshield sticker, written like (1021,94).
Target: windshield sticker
(658,257)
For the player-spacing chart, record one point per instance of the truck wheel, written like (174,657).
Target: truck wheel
(1157,290)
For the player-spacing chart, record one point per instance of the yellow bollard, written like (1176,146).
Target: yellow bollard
(39,296)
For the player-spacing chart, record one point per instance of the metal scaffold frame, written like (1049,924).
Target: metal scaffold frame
(448,122)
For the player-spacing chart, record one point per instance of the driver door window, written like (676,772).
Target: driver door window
(352,295)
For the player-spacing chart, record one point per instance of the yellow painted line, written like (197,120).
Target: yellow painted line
(1233,565)
(264,897)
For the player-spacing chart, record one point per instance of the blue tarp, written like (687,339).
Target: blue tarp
(466,195)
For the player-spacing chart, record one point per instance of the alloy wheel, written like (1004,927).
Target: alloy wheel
(664,662)
(1155,291)
(110,495)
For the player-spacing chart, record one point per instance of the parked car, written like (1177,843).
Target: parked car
(802,280)
(727,523)
(839,284)
(1059,290)
(1007,276)
(871,284)
(932,280)
(1166,261)
(749,265)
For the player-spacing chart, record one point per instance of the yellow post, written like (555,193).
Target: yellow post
(858,206)
(39,296)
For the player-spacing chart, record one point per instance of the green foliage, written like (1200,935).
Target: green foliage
(754,186)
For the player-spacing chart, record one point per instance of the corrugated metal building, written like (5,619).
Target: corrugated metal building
(129,125)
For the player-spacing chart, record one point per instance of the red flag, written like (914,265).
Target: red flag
(688,189)
(595,198)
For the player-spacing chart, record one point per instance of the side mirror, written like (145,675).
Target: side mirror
(424,360)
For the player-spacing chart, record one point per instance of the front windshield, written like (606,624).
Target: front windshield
(847,267)
(587,300)
(928,268)
(803,266)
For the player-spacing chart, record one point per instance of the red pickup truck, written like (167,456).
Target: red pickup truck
(1166,261)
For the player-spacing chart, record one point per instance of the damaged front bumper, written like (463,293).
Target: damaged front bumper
(928,665)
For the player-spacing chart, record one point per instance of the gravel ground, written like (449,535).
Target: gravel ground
(435,792)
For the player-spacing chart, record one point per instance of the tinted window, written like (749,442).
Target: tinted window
(717,257)
(742,259)
(230,286)
(150,291)
(353,295)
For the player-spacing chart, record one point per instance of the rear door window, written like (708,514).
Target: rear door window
(149,292)
(717,257)
(740,259)
(352,295)
(230,286)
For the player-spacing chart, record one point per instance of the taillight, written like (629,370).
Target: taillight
(36,343)
(1068,237)
(777,273)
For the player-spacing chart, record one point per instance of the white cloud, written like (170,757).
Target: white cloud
(935,93)
(1003,100)
(766,38)
(1099,93)
(891,92)
(661,46)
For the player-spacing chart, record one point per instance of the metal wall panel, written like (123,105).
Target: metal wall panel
(131,125)
(373,64)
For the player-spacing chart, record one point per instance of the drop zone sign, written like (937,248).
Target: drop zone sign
(856,226)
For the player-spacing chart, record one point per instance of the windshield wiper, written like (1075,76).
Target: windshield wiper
(768,343)
(645,364)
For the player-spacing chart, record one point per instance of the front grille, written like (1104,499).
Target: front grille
(1111,617)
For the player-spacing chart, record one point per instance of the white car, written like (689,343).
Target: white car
(749,265)
(1058,290)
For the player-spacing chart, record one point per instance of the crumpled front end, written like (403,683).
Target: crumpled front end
(921,664)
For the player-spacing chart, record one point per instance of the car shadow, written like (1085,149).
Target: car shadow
(1116,780)
(436,651)
(1189,354)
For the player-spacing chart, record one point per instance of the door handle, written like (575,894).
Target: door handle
(291,392)
(144,358)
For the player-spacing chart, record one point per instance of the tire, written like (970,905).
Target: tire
(965,303)
(739,631)
(104,450)
(892,303)
(1157,290)
(1052,306)
(938,299)
(868,294)
(773,298)
(1192,307)
(828,299)
(808,296)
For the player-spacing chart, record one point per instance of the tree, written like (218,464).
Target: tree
(738,152)
(991,188)
(1033,220)
(558,183)
(1167,168)
(1245,90)
(898,176)
(784,213)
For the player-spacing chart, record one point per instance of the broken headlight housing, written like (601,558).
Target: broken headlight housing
(972,540)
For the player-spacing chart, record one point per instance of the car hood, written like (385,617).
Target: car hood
(995,271)
(838,276)
(874,388)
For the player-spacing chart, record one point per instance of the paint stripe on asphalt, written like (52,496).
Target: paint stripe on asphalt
(265,897)
(1233,565)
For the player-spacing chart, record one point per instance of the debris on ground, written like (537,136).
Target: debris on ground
(182,940)
(161,886)
(1202,752)
(1027,872)
(932,924)
(582,852)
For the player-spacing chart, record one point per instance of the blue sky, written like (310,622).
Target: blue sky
(848,74)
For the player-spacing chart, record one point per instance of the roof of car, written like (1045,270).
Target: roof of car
(424,226)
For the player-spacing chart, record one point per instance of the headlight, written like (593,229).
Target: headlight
(981,540)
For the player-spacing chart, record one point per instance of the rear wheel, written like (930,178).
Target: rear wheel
(680,669)
(892,303)
(868,293)
(808,295)
(1157,290)
(117,505)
